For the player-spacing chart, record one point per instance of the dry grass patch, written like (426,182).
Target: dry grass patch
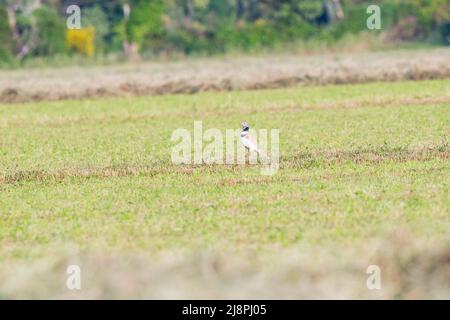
(192,76)
(410,269)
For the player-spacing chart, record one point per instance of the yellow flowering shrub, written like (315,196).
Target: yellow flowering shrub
(260,22)
(81,40)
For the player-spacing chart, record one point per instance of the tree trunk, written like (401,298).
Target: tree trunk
(239,9)
(187,9)
(12,23)
(130,49)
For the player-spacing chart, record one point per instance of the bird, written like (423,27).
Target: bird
(247,140)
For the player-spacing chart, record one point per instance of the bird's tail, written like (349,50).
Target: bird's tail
(262,156)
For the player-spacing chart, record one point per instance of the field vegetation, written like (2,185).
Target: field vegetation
(222,74)
(364,179)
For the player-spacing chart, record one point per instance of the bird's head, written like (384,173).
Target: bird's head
(245,126)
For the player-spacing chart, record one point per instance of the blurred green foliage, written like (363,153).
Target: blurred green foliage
(145,21)
(50,29)
(95,17)
(215,26)
(6,44)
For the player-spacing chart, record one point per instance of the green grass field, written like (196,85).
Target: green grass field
(92,180)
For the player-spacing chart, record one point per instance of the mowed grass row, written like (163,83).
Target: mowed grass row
(357,161)
(100,133)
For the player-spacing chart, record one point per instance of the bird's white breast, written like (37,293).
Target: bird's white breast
(247,142)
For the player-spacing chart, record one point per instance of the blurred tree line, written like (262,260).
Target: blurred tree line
(30,28)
